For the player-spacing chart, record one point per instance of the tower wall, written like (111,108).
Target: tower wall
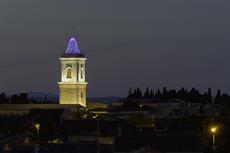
(72,94)
(72,88)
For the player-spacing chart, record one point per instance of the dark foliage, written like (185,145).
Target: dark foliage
(21,98)
(192,95)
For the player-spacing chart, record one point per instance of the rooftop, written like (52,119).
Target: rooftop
(72,49)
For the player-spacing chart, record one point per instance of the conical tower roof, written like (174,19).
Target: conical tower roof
(72,47)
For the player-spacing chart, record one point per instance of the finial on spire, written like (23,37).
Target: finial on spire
(73,31)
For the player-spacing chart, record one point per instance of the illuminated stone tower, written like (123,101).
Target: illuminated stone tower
(72,88)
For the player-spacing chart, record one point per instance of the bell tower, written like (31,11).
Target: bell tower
(72,88)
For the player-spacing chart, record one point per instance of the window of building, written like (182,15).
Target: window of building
(82,70)
(69,73)
(82,73)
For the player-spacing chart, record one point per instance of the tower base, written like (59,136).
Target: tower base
(72,93)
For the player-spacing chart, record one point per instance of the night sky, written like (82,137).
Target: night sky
(155,43)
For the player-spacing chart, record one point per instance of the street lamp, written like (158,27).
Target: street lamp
(37,126)
(213,130)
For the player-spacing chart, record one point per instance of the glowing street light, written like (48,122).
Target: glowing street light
(213,130)
(37,126)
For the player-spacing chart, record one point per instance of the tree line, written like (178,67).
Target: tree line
(21,98)
(192,95)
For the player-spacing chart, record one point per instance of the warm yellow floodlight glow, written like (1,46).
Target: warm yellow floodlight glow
(37,126)
(213,129)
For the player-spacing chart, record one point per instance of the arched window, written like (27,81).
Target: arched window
(82,71)
(69,73)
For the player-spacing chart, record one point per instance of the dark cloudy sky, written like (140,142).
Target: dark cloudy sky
(153,43)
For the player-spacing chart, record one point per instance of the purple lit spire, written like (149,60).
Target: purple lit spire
(72,47)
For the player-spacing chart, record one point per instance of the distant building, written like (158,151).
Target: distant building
(72,88)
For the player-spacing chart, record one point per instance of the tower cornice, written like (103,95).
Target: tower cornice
(72,83)
(72,58)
